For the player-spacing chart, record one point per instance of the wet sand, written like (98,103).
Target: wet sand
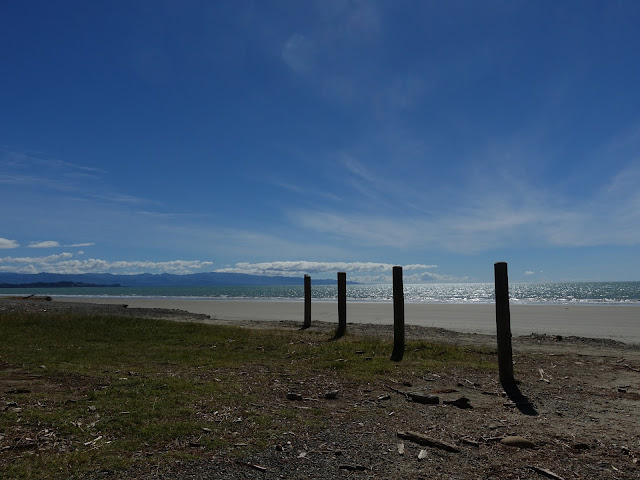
(615,322)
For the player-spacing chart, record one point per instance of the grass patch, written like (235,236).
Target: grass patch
(84,393)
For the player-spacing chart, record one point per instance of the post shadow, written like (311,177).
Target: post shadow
(523,404)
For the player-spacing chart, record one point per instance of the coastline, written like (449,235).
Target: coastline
(615,322)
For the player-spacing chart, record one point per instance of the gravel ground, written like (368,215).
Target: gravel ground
(581,418)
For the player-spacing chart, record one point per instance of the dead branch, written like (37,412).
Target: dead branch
(426,441)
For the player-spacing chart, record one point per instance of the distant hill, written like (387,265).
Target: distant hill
(212,279)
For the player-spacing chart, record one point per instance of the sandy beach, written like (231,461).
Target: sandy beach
(614,322)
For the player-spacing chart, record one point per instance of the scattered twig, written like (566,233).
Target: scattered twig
(468,441)
(631,368)
(421,439)
(396,390)
(542,376)
(260,468)
(545,472)
(92,442)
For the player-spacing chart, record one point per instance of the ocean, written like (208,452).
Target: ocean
(608,293)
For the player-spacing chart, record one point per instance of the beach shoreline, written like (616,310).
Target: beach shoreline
(614,322)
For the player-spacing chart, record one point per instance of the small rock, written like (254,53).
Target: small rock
(517,441)
(422,455)
(294,396)
(332,395)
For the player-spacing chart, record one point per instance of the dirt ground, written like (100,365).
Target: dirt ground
(577,406)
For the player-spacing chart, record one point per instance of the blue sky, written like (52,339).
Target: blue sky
(292,137)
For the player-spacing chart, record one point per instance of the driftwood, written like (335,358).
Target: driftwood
(462,402)
(546,473)
(426,441)
(424,398)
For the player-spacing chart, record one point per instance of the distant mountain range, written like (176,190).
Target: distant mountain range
(212,279)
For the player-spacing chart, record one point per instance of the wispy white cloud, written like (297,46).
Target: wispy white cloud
(40,173)
(49,259)
(66,263)
(56,244)
(298,53)
(483,217)
(358,228)
(5,243)
(31,161)
(44,244)
(301,267)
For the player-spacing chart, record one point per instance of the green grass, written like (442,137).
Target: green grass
(106,392)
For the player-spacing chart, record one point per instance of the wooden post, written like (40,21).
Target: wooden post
(398,315)
(503,324)
(342,304)
(307,302)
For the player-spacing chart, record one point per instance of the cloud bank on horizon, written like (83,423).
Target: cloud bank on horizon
(66,263)
(351,135)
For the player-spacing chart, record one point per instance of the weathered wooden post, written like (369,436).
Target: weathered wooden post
(342,304)
(398,315)
(503,324)
(307,302)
